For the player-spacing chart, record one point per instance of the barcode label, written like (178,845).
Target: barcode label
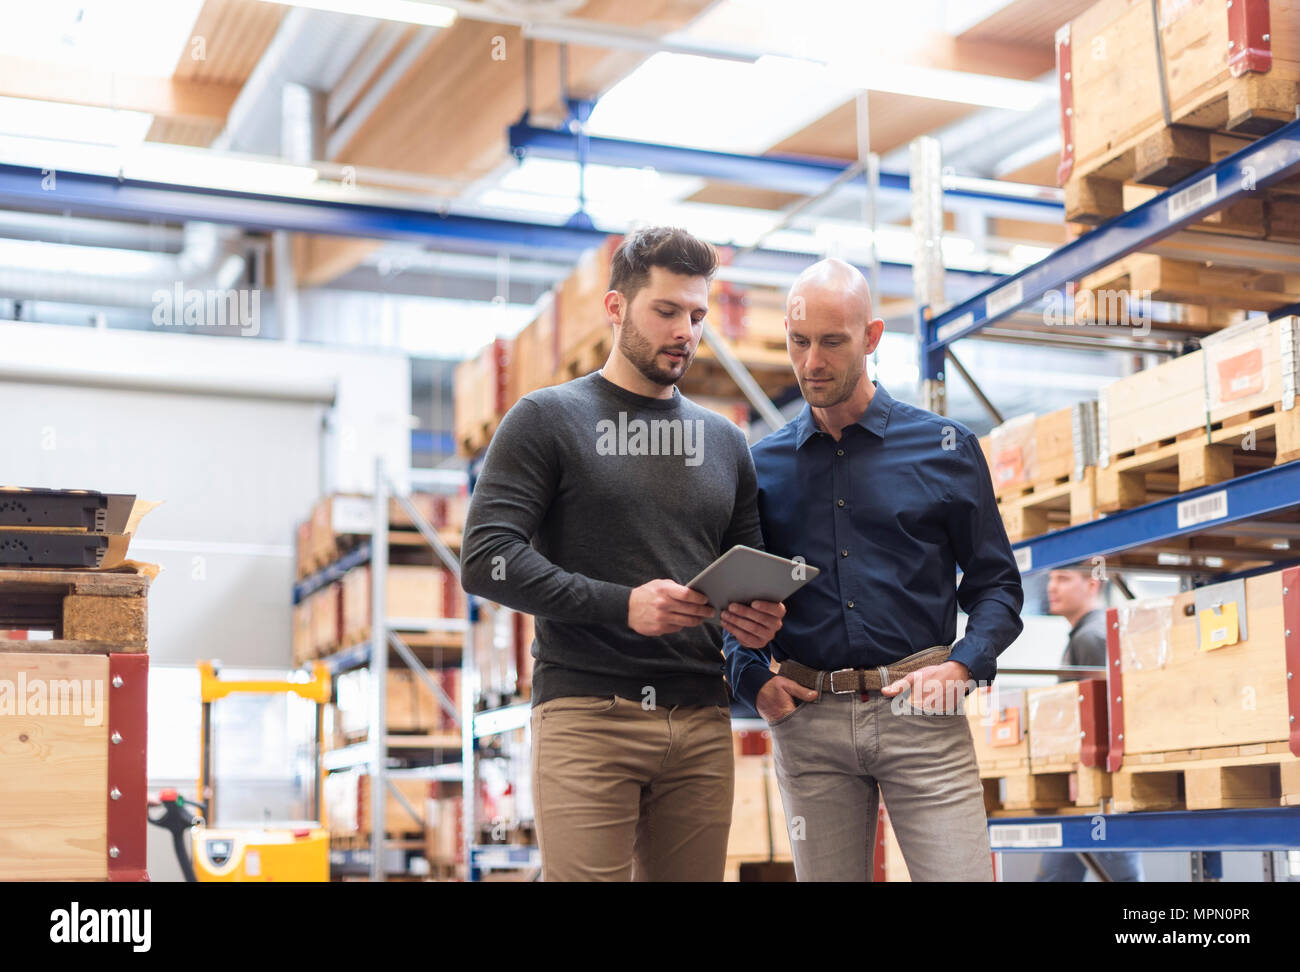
(952,327)
(1024,558)
(352,514)
(1021,835)
(1219,634)
(1203,509)
(1004,299)
(1193,197)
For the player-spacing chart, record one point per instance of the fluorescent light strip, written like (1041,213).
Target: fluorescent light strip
(402,11)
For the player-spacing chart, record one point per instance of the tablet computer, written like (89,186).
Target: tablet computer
(744,574)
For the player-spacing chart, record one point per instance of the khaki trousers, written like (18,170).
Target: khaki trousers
(625,793)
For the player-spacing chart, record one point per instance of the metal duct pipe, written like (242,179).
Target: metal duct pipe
(209,258)
(48,228)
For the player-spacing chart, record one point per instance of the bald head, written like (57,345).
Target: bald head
(832,287)
(829,333)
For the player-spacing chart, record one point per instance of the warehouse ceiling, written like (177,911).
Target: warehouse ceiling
(421,112)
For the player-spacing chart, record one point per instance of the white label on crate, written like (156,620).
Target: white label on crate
(352,514)
(1003,299)
(1024,558)
(252,863)
(1020,835)
(1195,196)
(1219,634)
(1203,509)
(952,327)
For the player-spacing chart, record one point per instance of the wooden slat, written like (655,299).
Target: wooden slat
(53,802)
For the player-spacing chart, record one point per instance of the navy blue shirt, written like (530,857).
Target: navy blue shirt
(888,514)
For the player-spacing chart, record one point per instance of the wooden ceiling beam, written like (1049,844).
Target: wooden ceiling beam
(191,102)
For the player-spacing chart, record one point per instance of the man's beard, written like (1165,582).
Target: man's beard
(834,395)
(644,355)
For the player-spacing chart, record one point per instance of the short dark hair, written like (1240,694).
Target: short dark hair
(659,246)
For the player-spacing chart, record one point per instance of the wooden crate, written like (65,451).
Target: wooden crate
(1201,729)
(758,824)
(533,361)
(443,833)
(1033,452)
(1247,364)
(304,648)
(347,802)
(1068,738)
(1177,697)
(412,705)
(1218,78)
(580,302)
(413,591)
(326,625)
(1206,417)
(62,701)
(479,396)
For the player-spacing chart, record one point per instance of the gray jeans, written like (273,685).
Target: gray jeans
(830,757)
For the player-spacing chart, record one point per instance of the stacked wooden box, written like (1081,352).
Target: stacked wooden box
(1042,748)
(347,804)
(338,615)
(74,729)
(1228,68)
(339,521)
(1222,411)
(1043,469)
(1203,705)
(412,706)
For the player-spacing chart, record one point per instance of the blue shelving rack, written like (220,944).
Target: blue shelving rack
(1260,497)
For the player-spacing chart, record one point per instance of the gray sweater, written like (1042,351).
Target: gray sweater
(1087,641)
(587,491)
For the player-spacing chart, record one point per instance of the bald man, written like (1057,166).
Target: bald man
(889,500)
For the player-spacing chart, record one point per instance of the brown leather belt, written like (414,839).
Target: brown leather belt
(861,679)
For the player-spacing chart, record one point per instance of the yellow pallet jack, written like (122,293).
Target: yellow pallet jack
(297,852)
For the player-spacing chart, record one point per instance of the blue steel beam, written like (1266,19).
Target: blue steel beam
(98,195)
(1264,829)
(801,175)
(105,196)
(1253,168)
(1257,494)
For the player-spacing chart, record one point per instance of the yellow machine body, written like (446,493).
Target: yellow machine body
(261,855)
(277,853)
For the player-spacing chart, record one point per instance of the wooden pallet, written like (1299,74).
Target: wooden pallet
(1049,505)
(1070,785)
(85,610)
(1162,159)
(1201,458)
(1257,775)
(587,355)
(475,437)
(1155,277)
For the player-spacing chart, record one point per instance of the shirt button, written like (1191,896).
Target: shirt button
(850,604)
(844,553)
(839,452)
(839,502)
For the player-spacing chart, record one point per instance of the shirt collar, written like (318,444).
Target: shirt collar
(874,419)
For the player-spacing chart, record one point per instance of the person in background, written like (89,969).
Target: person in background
(1077,595)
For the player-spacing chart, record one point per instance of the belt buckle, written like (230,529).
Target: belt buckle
(844,691)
